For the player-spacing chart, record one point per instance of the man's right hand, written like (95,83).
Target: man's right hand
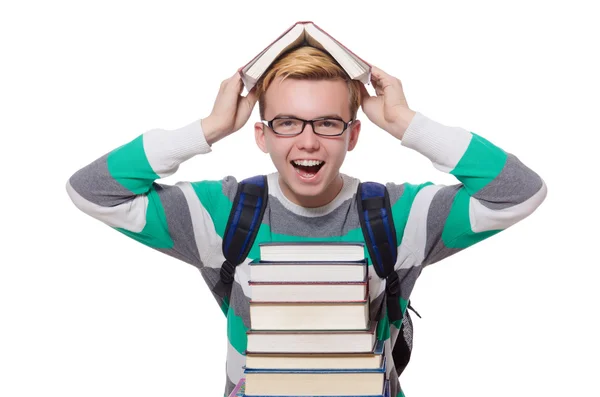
(231,110)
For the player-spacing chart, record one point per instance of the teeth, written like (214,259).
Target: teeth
(307,163)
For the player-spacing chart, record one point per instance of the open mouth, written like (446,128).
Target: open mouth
(307,168)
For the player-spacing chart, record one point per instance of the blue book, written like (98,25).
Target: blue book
(315,382)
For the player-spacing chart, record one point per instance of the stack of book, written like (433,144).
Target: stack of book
(311,334)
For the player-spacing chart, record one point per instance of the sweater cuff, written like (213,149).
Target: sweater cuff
(441,144)
(187,141)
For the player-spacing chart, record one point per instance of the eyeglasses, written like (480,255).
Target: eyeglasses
(291,126)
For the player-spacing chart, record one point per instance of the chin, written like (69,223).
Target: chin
(303,187)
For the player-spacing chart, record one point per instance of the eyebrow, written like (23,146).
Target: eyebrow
(330,115)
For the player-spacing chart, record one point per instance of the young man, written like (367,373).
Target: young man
(308,109)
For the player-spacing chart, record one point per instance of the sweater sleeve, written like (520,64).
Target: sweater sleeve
(495,191)
(120,189)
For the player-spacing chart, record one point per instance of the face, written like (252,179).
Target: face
(307,99)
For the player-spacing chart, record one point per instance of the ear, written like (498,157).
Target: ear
(354,133)
(259,136)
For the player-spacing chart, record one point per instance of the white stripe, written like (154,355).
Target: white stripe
(484,219)
(130,215)
(376,284)
(415,232)
(443,145)
(207,239)
(166,149)
(242,276)
(235,363)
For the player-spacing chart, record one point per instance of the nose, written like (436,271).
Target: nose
(307,139)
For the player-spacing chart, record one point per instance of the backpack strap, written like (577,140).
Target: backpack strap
(376,220)
(378,229)
(242,226)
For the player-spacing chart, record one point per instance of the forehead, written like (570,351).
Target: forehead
(307,98)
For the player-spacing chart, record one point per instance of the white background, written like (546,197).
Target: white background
(85,311)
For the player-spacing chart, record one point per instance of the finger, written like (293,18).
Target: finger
(235,84)
(251,98)
(379,73)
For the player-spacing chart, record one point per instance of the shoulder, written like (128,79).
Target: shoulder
(216,190)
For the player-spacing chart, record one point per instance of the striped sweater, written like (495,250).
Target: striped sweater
(187,220)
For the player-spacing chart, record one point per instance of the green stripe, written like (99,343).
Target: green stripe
(383,327)
(218,205)
(156,231)
(480,164)
(457,231)
(129,166)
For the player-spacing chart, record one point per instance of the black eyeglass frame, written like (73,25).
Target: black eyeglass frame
(269,123)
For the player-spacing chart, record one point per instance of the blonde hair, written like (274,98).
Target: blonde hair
(307,63)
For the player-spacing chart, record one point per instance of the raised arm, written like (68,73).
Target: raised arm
(120,188)
(495,189)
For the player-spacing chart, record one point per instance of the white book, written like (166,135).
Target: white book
(317,271)
(298,251)
(326,341)
(307,292)
(309,315)
(317,360)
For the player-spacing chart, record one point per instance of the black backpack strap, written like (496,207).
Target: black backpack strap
(242,226)
(376,220)
(377,224)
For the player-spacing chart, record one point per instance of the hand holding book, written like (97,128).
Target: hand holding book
(231,110)
(388,109)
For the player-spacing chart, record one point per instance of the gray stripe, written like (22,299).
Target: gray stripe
(240,303)
(435,249)
(229,187)
(179,222)
(94,183)
(336,223)
(408,278)
(395,192)
(229,386)
(515,184)
(211,276)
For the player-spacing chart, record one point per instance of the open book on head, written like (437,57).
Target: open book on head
(300,34)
